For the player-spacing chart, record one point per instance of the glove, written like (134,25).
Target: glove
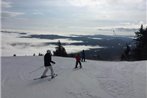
(54,63)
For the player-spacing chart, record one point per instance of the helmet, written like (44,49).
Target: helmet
(48,51)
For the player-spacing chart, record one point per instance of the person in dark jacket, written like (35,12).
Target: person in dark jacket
(78,61)
(47,64)
(83,56)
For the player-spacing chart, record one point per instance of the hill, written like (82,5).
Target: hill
(97,79)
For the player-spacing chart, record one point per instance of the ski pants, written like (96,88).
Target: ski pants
(46,70)
(78,62)
(83,59)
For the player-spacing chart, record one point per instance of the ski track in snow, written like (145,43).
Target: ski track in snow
(97,79)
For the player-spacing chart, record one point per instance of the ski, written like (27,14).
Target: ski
(54,77)
(76,68)
(43,77)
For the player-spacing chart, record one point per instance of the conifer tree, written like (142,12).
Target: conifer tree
(60,50)
(140,52)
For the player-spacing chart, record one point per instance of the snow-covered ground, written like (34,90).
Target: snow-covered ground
(97,79)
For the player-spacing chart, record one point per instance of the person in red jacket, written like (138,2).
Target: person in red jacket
(78,61)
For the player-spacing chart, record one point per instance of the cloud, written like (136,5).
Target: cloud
(108,3)
(71,15)
(37,12)
(83,3)
(6,4)
(11,14)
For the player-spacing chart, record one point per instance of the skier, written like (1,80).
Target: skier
(83,56)
(47,64)
(78,58)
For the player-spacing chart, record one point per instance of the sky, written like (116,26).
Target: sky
(72,15)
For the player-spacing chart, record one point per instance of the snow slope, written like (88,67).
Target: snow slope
(97,79)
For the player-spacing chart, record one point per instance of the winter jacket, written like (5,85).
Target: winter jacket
(83,54)
(48,60)
(77,58)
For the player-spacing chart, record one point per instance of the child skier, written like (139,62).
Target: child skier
(78,61)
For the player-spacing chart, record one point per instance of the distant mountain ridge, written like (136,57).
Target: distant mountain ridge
(111,46)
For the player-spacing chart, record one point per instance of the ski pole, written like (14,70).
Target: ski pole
(36,69)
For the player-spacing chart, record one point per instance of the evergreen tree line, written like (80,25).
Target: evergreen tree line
(140,50)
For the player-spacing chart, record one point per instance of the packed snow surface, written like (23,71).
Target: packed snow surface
(97,79)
